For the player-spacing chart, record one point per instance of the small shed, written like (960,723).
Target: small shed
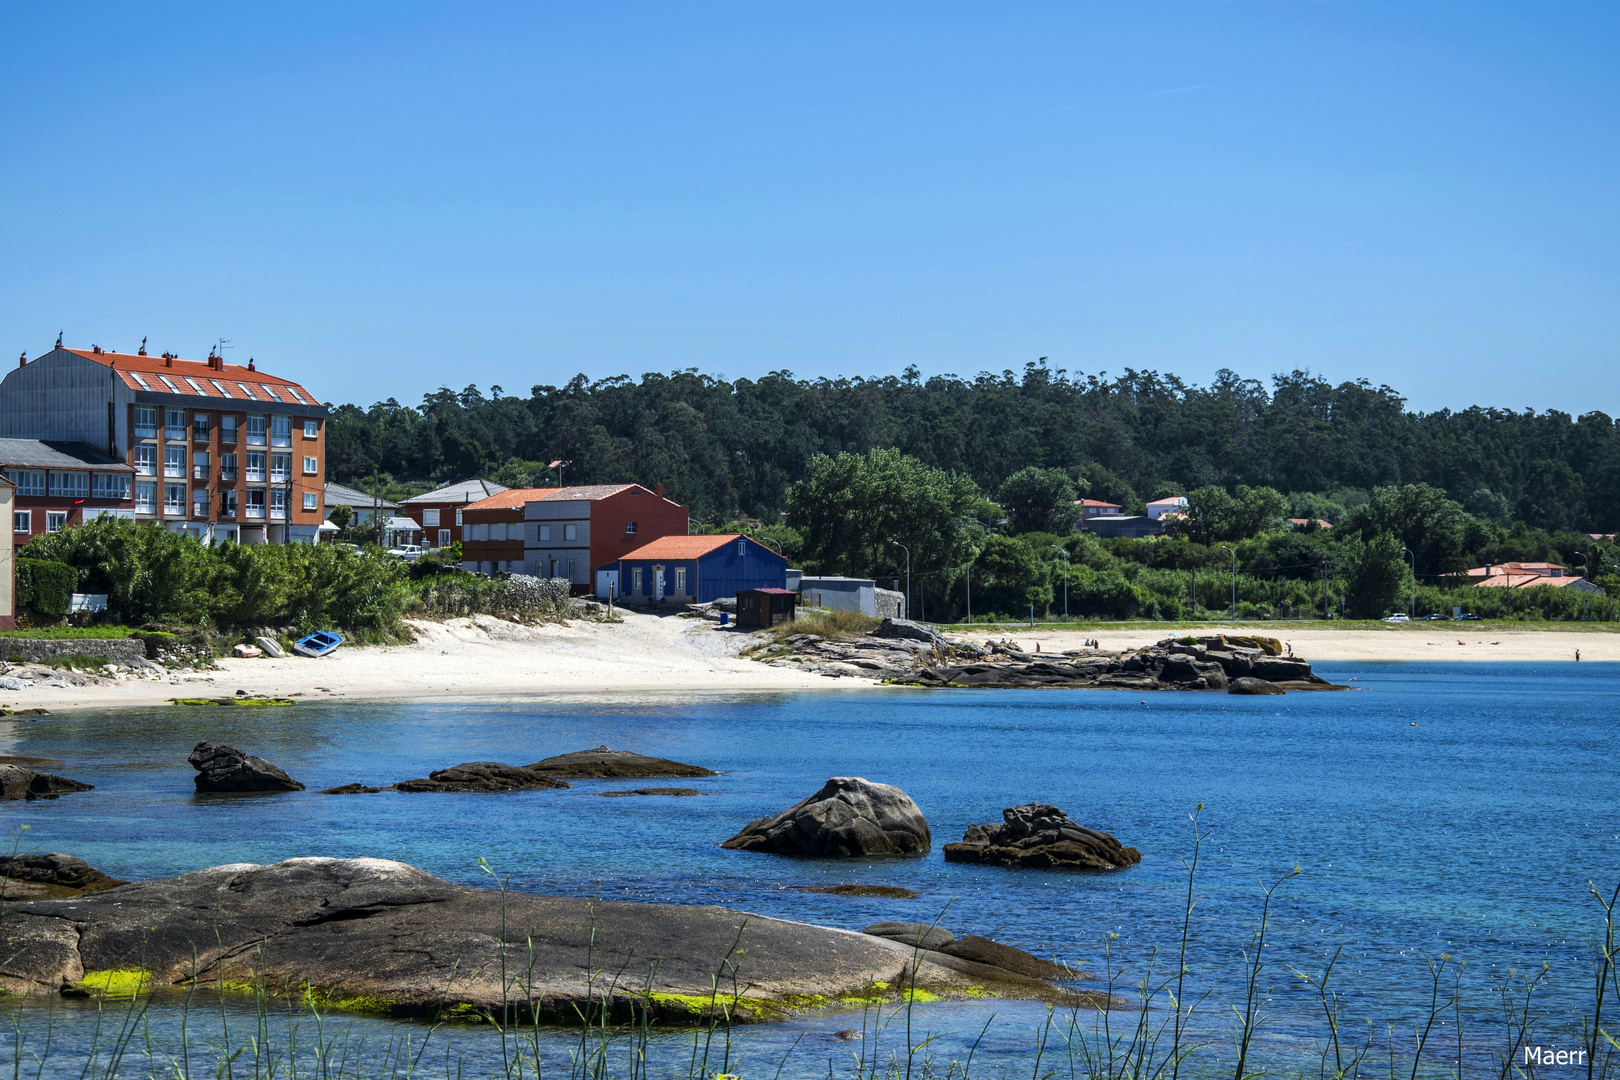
(765,607)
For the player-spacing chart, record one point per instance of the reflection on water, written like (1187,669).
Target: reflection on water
(1473,833)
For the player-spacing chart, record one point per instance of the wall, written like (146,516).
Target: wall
(841,594)
(126,651)
(654,515)
(723,572)
(62,395)
(538,554)
(8,563)
(475,553)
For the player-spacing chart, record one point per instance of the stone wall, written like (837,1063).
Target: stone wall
(126,651)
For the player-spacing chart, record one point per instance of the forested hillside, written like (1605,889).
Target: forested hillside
(733,448)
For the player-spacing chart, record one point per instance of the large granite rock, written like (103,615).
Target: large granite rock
(482,776)
(17,782)
(385,937)
(908,630)
(849,816)
(606,764)
(50,875)
(1250,685)
(972,949)
(1040,836)
(225,768)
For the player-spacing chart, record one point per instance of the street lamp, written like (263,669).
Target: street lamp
(1586,569)
(768,540)
(907,550)
(1234,578)
(1414,580)
(1065,555)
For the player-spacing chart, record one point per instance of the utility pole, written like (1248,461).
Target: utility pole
(1233,553)
(907,550)
(1326,615)
(1414,580)
(1065,555)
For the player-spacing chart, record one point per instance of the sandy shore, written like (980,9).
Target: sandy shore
(488,659)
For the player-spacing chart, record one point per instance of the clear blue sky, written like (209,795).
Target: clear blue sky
(377,199)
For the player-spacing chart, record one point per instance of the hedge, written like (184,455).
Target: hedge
(45,588)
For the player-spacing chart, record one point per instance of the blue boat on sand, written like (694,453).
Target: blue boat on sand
(319,643)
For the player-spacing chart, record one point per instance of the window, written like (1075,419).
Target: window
(146,497)
(28,481)
(217,385)
(199,426)
(109,485)
(227,504)
(570,532)
(280,431)
(309,500)
(280,468)
(458,515)
(255,502)
(227,429)
(55,520)
(255,464)
(145,422)
(227,466)
(545,534)
(22,521)
(629,528)
(309,425)
(146,460)
(635,580)
(170,384)
(430,519)
(680,580)
(195,385)
(444,537)
(267,391)
(143,383)
(199,465)
(174,461)
(278,502)
(70,485)
(199,502)
(311,466)
(255,430)
(174,424)
(174,498)
(247,394)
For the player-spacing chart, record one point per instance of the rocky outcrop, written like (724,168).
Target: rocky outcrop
(848,817)
(606,764)
(17,782)
(387,938)
(971,949)
(676,792)
(1248,685)
(482,776)
(1038,836)
(51,875)
(223,768)
(351,789)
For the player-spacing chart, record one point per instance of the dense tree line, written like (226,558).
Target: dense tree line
(733,449)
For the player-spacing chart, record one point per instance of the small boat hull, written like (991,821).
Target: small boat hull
(317,644)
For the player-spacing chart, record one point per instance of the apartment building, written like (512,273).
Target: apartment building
(439,512)
(219,451)
(492,530)
(60,484)
(575,531)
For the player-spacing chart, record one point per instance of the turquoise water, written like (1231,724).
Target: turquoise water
(1473,833)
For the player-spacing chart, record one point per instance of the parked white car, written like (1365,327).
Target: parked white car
(408,552)
(1399,616)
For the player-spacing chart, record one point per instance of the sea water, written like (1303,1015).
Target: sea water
(1436,810)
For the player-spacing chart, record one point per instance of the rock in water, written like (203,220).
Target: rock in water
(1041,837)
(606,764)
(225,768)
(52,875)
(920,935)
(849,816)
(482,776)
(17,782)
(1247,684)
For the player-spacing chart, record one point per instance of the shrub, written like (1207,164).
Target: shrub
(44,587)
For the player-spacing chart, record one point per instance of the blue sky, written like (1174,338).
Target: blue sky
(377,199)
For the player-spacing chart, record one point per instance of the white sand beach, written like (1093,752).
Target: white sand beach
(489,659)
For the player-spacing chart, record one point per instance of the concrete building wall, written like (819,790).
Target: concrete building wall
(61,395)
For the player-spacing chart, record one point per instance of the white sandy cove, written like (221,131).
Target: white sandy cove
(491,659)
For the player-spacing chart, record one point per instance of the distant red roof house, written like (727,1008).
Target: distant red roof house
(1527,575)
(1160,508)
(574,532)
(1302,522)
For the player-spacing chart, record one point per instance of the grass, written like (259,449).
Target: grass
(832,625)
(70,633)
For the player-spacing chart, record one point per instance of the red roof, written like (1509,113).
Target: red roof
(512,499)
(194,378)
(771,592)
(1090,503)
(688,547)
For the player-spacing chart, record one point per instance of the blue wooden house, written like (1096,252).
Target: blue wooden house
(698,569)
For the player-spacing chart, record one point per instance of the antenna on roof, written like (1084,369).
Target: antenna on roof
(224,343)
(142,350)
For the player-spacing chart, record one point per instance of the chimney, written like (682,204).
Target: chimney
(660,491)
(22,360)
(250,365)
(168,360)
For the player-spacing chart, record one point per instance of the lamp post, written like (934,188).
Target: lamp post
(1586,569)
(907,550)
(1414,580)
(768,540)
(1234,578)
(1065,555)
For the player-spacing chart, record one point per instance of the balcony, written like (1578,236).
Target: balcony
(174,472)
(255,438)
(174,509)
(142,468)
(227,435)
(175,434)
(281,440)
(228,475)
(255,513)
(199,434)
(199,472)
(228,513)
(146,431)
(280,477)
(199,511)
(145,508)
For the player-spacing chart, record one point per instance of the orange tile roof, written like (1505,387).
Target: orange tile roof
(1525,581)
(1088,503)
(194,378)
(687,547)
(511,499)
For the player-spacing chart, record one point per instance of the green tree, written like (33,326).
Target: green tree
(340,515)
(1213,516)
(1038,500)
(1420,517)
(1009,575)
(1376,576)
(851,508)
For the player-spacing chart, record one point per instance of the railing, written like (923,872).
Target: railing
(199,434)
(227,474)
(256,475)
(229,512)
(175,434)
(174,510)
(177,472)
(255,512)
(146,431)
(281,440)
(255,438)
(199,510)
(279,476)
(227,436)
(199,472)
(145,508)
